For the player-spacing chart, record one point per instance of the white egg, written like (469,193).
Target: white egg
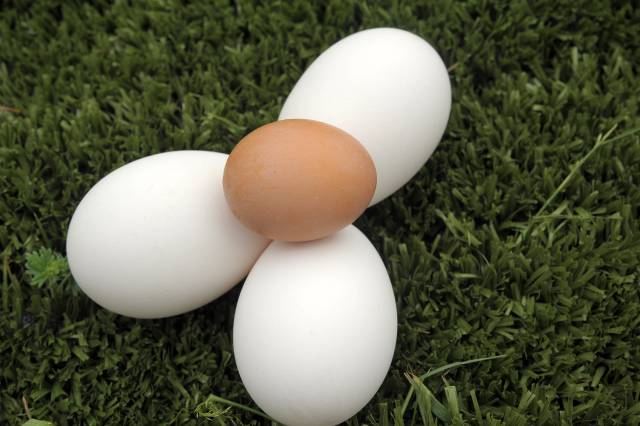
(155,238)
(315,328)
(386,87)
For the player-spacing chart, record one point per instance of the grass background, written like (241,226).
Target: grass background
(478,269)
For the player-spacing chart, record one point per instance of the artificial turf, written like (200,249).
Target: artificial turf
(491,250)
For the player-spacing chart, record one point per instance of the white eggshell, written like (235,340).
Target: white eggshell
(155,238)
(315,328)
(386,87)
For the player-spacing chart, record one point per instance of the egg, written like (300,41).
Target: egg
(386,87)
(155,238)
(315,328)
(298,180)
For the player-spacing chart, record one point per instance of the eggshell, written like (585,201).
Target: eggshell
(298,180)
(386,87)
(315,329)
(156,238)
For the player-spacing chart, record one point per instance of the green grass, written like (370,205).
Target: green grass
(491,249)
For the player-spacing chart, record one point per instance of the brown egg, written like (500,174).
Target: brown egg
(298,180)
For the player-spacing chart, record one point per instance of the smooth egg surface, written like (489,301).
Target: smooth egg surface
(315,328)
(155,238)
(386,87)
(298,180)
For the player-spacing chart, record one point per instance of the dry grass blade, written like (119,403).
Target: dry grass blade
(9,109)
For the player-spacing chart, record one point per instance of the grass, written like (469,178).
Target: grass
(520,237)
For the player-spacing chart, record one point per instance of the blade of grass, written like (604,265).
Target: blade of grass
(35,422)
(476,407)
(444,368)
(427,402)
(574,169)
(384,413)
(9,109)
(451,394)
(220,400)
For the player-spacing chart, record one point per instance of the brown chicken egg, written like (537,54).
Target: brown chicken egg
(298,180)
